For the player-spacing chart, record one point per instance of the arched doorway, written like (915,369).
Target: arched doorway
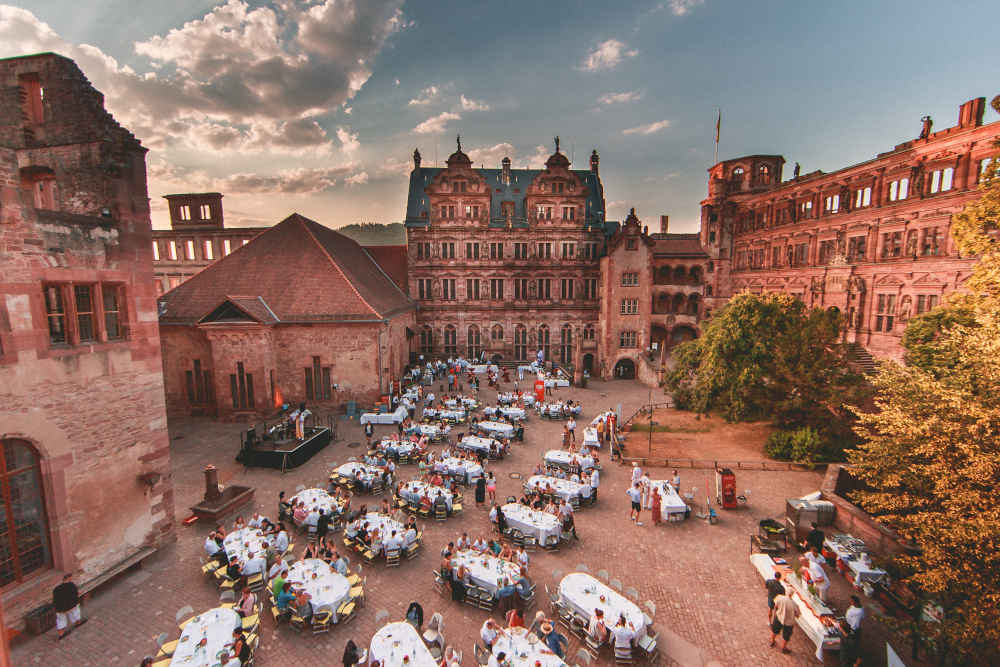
(497,358)
(625,370)
(520,343)
(475,342)
(25,535)
(658,336)
(566,345)
(588,363)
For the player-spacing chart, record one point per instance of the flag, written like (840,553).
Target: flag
(718,126)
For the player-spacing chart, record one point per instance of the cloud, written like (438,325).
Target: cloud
(650,128)
(660,178)
(683,7)
(620,98)
(348,140)
(492,155)
(435,124)
(393,167)
(236,78)
(473,105)
(616,209)
(607,55)
(303,180)
(426,96)
(357,179)
(537,159)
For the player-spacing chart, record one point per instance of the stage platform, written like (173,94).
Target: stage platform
(284,455)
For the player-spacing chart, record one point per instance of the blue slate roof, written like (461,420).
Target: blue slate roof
(418,204)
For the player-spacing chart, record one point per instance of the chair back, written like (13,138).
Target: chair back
(184,612)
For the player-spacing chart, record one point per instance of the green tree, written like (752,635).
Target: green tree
(770,356)
(930,454)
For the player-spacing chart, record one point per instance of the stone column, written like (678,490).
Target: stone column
(211,483)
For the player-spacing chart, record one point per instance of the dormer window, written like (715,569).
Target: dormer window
(558,188)
(737,174)
(764,174)
(458,186)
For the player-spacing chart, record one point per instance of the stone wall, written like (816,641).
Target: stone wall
(849,518)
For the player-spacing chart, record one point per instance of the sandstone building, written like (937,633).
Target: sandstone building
(298,309)
(84,468)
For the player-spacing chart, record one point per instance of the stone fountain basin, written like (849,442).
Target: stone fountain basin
(231,499)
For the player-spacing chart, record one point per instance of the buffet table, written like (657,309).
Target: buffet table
(852,556)
(326,589)
(395,417)
(541,525)
(672,507)
(590,438)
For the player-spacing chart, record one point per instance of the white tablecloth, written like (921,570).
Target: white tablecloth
(564,488)
(556,382)
(508,398)
(394,641)
(601,417)
(583,592)
(414,491)
(316,499)
(590,438)
(399,447)
(385,417)
(512,413)
(215,626)
(524,650)
(478,444)
(327,588)
(861,570)
(430,430)
(497,428)
(670,501)
(541,525)
(461,402)
(385,524)
(563,459)
(456,466)
(485,575)
(241,542)
(359,471)
(454,415)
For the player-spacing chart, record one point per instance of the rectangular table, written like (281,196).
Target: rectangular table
(590,438)
(853,558)
(670,502)
(395,417)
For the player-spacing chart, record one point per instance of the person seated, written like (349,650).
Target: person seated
(247,603)
(394,541)
(240,649)
(240,523)
(506,553)
(480,545)
(410,536)
(440,503)
(214,548)
(425,502)
(523,583)
(284,598)
(300,513)
(494,548)
(278,567)
(255,564)
(233,570)
(340,564)
(303,606)
(551,508)
(310,552)
(623,632)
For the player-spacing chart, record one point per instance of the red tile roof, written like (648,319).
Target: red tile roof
(393,260)
(303,271)
(677,245)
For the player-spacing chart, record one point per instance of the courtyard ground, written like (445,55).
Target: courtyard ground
(688,436)
(711,603)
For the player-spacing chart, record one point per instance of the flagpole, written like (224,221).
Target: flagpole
(718,126)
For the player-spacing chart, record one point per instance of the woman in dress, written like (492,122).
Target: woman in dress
(491,486)
(655,509)
(480,491)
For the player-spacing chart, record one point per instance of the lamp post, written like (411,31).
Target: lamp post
(649,448)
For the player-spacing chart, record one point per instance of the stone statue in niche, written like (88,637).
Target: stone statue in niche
(436,287)
(531,290)
(917,179)
(905,308)
(796,171)
(841,242)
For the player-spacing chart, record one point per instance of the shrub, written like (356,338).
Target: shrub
(803,445)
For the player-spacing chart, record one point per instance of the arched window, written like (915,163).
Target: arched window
(450,340)
(680,275)
(520,342)
(543,340)
(566,344)
(737,174)
(24,533)
(426,340)
(663,275)
(678,304)
(763,174)
(662,304)
(696,275)
(693,301)
(475,341)
(496,333)
(589,332)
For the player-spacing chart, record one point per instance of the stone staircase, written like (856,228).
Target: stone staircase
(860,357)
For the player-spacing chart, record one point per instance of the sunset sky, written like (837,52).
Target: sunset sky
(316,106)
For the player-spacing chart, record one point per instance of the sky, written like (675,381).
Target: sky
(316,106)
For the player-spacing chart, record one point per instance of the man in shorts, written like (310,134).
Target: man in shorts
(783,620)
(635,494)
(66,600)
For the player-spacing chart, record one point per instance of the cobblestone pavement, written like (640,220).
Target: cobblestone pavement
(711,604)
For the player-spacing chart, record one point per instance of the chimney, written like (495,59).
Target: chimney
(595,161)
(970,114)
(506,170)
(664,223)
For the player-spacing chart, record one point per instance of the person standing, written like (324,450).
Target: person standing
(491,487)
(819,579)
(785,613)
(635,493)
(369,432)
(774,589)
(655,508)
(571,427)
(855,614)
(66,600)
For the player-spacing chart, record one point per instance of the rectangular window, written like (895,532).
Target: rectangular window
(831,204)
(856,249)
(496,289)
(309,383)
(568,250)
(156,251)
(544,251)
(520,288)
(205,212)
(112,297)
(926,302)
(544,288)
(227,247)
(184,212)
(627,339)
(929,244)
(472,251)
(447,250)
(245,241)
(801,254)
(423,288)
(885,312)
(56,313)
(172,250)
(209,251)
(496,250)
(189,250)
(83,299)
(520,251)
(590,288)
(566,288)
(899,190)
(471,288)
(544,212)
(630,279)
(630,306)
(468,211)
(568,212)
(941,180)
(826,250)
(631,244)
(892,244)
(448,289)
(862,197)
(776,255)
(805,208)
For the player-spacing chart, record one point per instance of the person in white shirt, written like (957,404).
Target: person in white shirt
(281,540)
(280,566)
(819,579)
(677,482)
(410,536)
(393,542)
(636,472)
(565,509)
(340,565)
(635,493)
(489,633)
(522,557)
(571,427)
(645,484)
(255,564)
(255,520)
(312,518)
(595,479)
(211,546)
(463,542)
(493,514)
(480,545)
(855,614)
(624,632)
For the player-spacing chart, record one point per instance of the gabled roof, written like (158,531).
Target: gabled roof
(296,271)
(393,260)
(241,309)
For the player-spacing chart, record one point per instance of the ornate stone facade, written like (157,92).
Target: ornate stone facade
(871,239)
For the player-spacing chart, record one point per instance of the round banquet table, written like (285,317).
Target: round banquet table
(215,626)
(525,649)
(484,570)
(415,490)
(326,588)
(564,488)
(456,466)
(401,447)
(541,525)
(564,459)
(385,524)
(582,593)
(241,542)
(477,443)
(509,412)
(430,430)
(317,499)
(394,641)
(360,472)
(497,428)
